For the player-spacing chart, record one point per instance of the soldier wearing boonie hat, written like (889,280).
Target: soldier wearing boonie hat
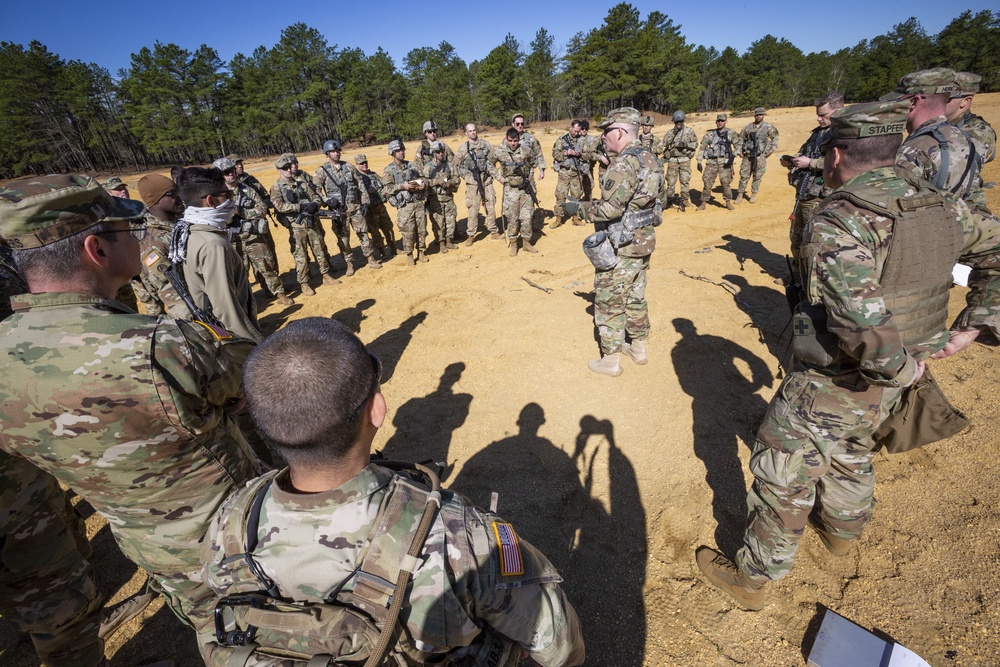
(893,242)
(937,151)
(959,113)
(758,141)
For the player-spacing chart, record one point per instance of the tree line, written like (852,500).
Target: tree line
(175,106)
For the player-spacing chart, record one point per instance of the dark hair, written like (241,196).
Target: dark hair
(870,152)
(576,123)
(585,125)
(513,134)
(59,260)
(834,98)
(196,183)
(305,387)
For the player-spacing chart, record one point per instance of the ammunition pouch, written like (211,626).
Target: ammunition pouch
(599,250)
(623,231)
(515,181)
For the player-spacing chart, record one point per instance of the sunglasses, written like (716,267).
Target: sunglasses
(376,379)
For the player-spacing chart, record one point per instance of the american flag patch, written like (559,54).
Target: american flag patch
(152,258)
(510,549)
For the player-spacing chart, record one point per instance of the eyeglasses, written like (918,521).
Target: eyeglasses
(608,129)
(377,368)
(521,124)
(228,194)
(136,229)
(227,172)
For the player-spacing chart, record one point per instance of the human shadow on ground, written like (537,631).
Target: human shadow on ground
(725,409)
(769,262)
(554,501)
(389,347)
(768,311)
(353,316)
(425,424)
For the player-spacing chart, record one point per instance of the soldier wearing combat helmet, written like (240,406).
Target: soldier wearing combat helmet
(757,140)
(678,146)
(349,201)
(379,222)
(646,136)
(406,189)
(719,148)
(876,266)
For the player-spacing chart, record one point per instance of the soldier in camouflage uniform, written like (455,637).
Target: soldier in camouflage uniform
(959,114)
(406,189)
(719,148)
(935,150)
(569,155)
(349,201)
(379,222)
(596,154)
(758,140)
(296,203)
(442,177)
(478,589)
(472,156)
(806,171)
(250,180)
(135,415)
(515,173)
(678,146)
(629,210)
(152,287)
(116,187)
(531,143)
(424,153)
(646,136)
(876,264)
(47,587)
(251,214)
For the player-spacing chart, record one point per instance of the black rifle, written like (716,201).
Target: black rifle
(477,174)
(574,160)
(803,178)
(729,148)
(519,171)
(753,153)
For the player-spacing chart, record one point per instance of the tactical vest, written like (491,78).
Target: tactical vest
(969,178)
(673,148)
(346,188)
(622,232)
(352,628)
(720,145)
(916,276)
(400,176)
(808,184)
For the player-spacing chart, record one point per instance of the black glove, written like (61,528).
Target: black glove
(333,204)
(364,209)
(309,207)
(699,167)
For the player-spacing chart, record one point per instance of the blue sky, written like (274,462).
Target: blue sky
(76,31)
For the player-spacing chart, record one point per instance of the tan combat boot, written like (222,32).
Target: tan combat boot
(330,280)
(469,241)
(528,247)
(636,350)
(410,261)
(442,248)
(450,243)
(729,204)
(374,263)
(725,576)
(513,248)
(306,290)
(350,268)
(838,546)
(704,200)
(739,196)
(556,223)
(609,364)
(284,300)
(421,257)
(496,236)
(753,197)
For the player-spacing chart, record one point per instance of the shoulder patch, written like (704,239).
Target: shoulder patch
(509,546)
(152,258)
(217,332)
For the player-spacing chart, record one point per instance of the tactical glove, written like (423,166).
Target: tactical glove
(364,209)
(333,204)
(309,207)
(699,166)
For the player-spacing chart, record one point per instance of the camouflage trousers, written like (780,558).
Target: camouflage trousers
(473,202)
(812,461)
(569,186)
(380,226)
(745,167)
(517,211)
(443,214)
(47,585)
(260,257)
(342,231)
(620,303)
(679,169)
(308,237)
(716,167)
(412,226)
(803,213)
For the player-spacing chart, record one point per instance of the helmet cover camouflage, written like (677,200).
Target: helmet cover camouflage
(285,160)
(224,164)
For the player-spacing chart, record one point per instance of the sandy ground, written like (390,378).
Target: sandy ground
(618,480)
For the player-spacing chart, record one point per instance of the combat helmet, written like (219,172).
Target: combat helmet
(430,126)
(647,120)
(224,164)
(331,145)
(679,116)
(396,145)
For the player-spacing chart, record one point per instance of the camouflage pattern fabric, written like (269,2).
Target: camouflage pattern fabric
(713,153)
(537,157)
(424,155)
(256,186)
(515,167)
(152,288)
(11,283)
(678,147)
(572,170)
(920,157)
(443,179)
(817,191)
(767,142)
(287,197)
(633,183)
(133,417)
(409,205)
(981,133)
(459,584)
(258,247)
(342,182)
(47,586)
(480,152)
(378,220)
(651,143)
(812,458)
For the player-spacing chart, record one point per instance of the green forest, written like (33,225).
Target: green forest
(175,106)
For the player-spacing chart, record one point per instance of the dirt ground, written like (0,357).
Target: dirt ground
(618,480)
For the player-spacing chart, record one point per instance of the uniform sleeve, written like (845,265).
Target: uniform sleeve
(517,593)
(616,191)
(772,135)
(356,175)
(282,205)
(559,149)
(981,252)
(915,164)
(842,276)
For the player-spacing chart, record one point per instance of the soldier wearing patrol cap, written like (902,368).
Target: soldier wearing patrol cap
(569,159)
(719,148)
(757,140)
(678,146)
(135,415)
(379,222)
(935,150)
(628,212)
(959,114)
(116,187)
(876,264)
(406,189)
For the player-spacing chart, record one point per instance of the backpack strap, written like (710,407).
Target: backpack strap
(239,540)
